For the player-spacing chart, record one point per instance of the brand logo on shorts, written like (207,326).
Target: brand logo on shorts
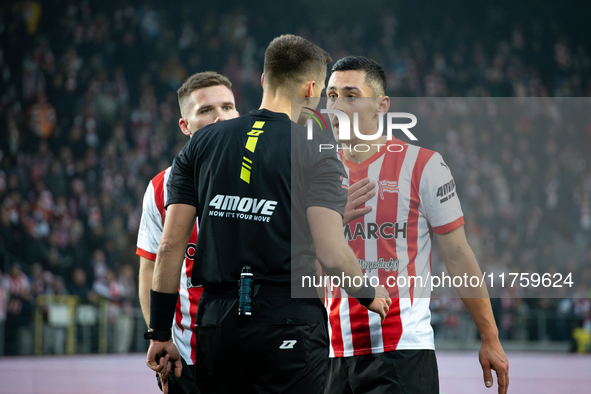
(288,344)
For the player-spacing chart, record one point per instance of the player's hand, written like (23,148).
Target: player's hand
(164,375)
(163,365)
(381,304)
(359,193)
(492,356)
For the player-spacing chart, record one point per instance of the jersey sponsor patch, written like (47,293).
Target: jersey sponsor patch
(387,265)
(247,208)
(385,230)
(445,190)
(344,182)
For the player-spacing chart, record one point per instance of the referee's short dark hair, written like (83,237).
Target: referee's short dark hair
(201,80)
(290,60)
(375,76)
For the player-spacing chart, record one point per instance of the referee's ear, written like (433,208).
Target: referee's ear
(263,80)
(310,89)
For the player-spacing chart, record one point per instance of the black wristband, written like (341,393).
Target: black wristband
(158,335)
(365,295)
(162,307)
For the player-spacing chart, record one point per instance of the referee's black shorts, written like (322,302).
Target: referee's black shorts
(281,348)
(183,385)
(395,372)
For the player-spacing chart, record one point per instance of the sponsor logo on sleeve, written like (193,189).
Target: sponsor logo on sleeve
(344,182)
(446,191)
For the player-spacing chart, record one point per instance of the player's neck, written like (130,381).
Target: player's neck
(276,103)
(358,151)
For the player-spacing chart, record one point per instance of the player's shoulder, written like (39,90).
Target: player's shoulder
(159,179)
(432,159)
(422,155)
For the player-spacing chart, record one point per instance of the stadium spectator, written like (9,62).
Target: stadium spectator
(3,297)
(85,56)
(18,336)
(124,323)
(204,98)
(80,287)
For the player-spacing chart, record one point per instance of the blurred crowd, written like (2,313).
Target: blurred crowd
(88,115)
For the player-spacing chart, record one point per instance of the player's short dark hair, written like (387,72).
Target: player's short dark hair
(290,60)
(375,76)
(201,80)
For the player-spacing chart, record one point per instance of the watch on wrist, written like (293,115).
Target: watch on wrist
(160,335)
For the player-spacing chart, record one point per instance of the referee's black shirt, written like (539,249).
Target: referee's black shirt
(251,180)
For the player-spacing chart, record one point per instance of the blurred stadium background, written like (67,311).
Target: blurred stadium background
(88,115)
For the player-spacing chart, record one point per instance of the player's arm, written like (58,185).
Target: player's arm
(320,274)
(144,286)
(337,258)
(459,260)
(147,245)
(358,194)
(178,226)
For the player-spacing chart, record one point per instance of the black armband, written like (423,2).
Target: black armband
(158,335)
(162,307)
(365,295)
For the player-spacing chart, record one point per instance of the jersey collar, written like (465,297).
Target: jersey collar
(357,167)
(265,113)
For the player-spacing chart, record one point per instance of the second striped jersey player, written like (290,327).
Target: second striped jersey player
(414,198)
(204,98)
(149,236)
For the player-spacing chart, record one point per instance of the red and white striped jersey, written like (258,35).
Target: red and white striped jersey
(17,289)
(150,231)
(415,197)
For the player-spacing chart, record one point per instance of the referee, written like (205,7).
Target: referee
(263,193)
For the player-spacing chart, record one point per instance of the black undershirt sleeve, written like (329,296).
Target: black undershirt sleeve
(328,184)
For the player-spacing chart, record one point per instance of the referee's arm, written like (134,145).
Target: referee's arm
(337,258)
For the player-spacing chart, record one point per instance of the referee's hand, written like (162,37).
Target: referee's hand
(163,365)
(381,304)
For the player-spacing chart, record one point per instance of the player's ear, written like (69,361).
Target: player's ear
(184,127)
(384,104)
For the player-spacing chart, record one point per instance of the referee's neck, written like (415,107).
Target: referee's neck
(276,103)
